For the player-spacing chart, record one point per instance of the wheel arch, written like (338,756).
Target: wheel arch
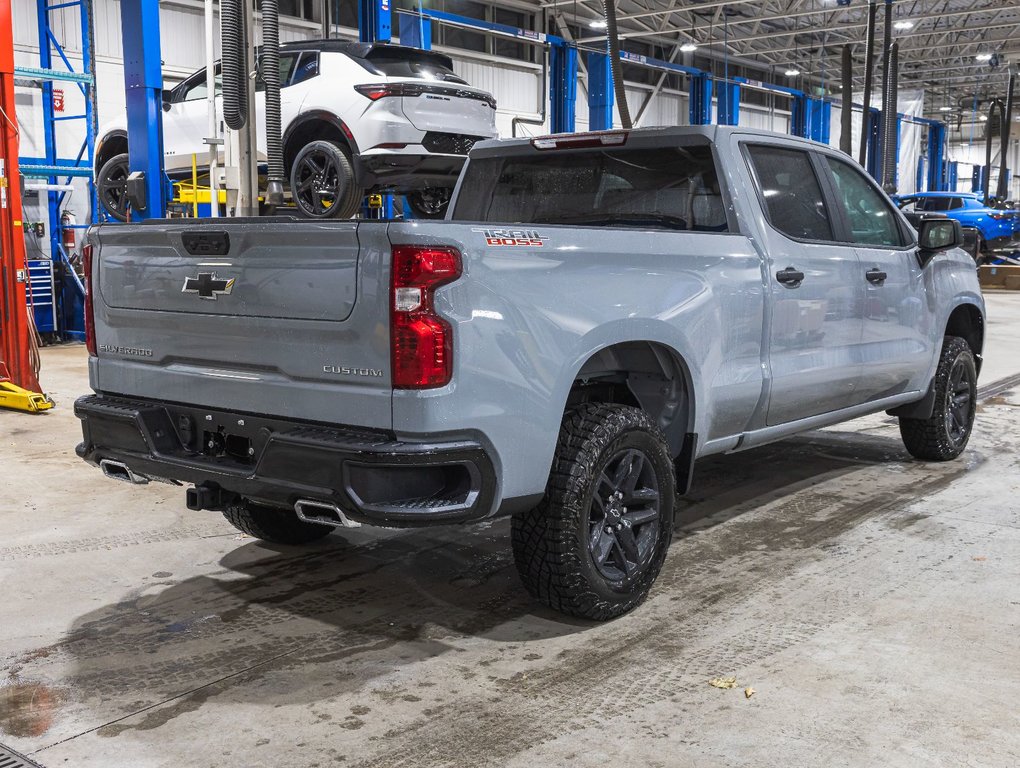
(650,375)
(315,125)
(112,144)
(967,322)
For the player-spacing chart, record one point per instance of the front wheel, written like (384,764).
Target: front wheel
(322,182)
(278,526)
(595,544)
(944,435)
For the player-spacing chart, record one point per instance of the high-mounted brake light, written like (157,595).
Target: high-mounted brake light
(421,342)
(90,320)
(581,140)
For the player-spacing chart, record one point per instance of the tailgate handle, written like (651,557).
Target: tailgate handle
(206,243)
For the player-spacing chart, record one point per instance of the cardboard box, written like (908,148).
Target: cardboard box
(1005,277)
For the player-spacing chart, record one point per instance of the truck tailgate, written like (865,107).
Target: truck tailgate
(277,316)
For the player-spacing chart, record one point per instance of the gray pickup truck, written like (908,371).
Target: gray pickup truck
(597,312)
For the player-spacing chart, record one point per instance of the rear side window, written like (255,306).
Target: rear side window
(933,204)
(307,68)
(871,217)
(672,188)
(792,195)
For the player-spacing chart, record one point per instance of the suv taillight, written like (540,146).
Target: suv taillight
(90,321)
(421,342)
(376,92)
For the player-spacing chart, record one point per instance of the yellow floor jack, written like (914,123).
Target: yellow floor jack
(13,396)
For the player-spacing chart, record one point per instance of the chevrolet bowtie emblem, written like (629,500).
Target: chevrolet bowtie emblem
(207,285)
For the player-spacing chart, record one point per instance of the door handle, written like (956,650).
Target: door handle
(790,277)
(876,276)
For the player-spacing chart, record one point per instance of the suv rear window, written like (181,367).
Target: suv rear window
(409,63)
(942,203)
(673,188)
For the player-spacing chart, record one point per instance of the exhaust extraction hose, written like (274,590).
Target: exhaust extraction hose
(869,71)
(890,108)
(987,180)
(1002,191)
(234,45)
(271,76)
(846,111)
(613,40)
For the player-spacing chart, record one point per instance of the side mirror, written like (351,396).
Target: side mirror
(166,100)
(935,235)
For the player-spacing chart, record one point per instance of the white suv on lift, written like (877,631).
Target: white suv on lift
(357,118)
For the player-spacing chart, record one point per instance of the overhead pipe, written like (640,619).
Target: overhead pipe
(846,111)
(233,63)
(613,41)
(1002,192)
(987,180)
(869,69)
(890,114)
(271,77)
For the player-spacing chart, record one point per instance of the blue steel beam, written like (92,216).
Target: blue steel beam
(600,91)
(937,157)
(700,101)
(143,82)
(467,22)
(728,103)
(374,21)
(562,88)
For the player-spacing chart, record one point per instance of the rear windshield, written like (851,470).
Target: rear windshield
(672,188)
(409,63)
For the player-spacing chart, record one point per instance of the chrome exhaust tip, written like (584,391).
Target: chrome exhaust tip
(323,513)
(118,470)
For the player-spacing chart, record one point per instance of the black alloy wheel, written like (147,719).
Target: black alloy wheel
(322,182)
(111,187)
(623,519)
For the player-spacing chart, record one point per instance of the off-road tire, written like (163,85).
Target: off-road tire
(551,542)
(111,187)
(940,437)
(335,161)
(278,526)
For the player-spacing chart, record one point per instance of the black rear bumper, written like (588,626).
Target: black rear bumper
(371,476)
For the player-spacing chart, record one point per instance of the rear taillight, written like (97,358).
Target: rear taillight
(421,341)
(90,321)
(413,90)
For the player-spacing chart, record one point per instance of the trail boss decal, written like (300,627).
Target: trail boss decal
(512,238)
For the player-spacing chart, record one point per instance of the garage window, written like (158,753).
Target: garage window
(674,188)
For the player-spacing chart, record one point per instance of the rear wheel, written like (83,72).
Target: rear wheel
(430,203)
(279,526)
(111,187)
(322,182)
(944,435)
(595,544)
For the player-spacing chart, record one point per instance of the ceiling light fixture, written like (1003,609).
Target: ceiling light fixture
(689,47)
(904,24)
(983,118)
(945,109)
(597,24)
(792,72)
(984,57)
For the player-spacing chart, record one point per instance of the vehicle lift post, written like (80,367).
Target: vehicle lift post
(19,385)
(143,82)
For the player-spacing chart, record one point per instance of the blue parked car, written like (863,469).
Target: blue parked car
(998,224)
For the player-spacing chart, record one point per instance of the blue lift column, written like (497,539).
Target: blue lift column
(727,103)
(601,96)
(562,87)
(937,157)
(700,100)
(374,21)
(143,82)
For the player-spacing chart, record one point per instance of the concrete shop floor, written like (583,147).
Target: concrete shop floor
(871,601)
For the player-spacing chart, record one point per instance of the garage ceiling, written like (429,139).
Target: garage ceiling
(938,49)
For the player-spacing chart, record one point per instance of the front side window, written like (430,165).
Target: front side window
(194,87)
(671,188)
(871,217)
(792,195)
